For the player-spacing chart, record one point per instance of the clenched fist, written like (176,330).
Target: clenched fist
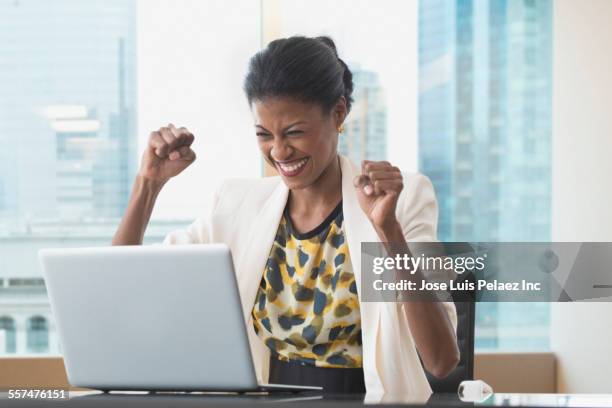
(167,154)
(378,188)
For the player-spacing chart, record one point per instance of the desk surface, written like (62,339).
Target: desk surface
(95,399)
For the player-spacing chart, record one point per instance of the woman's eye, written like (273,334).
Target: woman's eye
(295,132)
(262,134)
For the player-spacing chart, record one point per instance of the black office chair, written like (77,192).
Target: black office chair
(466,316)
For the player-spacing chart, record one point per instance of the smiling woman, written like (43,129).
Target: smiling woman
(300,94)
(296,238)
(300,91)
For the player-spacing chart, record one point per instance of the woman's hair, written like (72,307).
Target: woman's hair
(307,69)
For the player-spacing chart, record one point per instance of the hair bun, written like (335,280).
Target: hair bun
(347,76)
(347,80)
(305,68)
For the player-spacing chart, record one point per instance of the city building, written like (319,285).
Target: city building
(485,130)
(365,128)
(67,145)
(61,58)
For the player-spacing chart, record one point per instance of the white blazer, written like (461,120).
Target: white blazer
(245,216)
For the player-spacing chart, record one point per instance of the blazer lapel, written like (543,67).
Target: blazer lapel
(359,229)
(251,264)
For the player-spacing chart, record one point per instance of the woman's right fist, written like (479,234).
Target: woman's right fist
(168,153)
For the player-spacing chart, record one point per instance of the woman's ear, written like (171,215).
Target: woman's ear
(340,111)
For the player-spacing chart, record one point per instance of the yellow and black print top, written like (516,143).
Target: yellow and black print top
(306,307)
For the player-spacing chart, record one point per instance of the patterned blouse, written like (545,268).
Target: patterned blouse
(306,307)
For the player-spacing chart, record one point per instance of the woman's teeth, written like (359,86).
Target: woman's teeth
(293,166)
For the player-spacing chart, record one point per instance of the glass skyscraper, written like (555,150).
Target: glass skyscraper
(365,129)
(485,135)
(67,107)
(67,144)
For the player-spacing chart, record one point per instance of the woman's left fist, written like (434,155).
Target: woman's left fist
(378,188)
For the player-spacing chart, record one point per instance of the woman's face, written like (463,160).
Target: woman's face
(297,138)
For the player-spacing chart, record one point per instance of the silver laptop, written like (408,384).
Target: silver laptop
(151,317)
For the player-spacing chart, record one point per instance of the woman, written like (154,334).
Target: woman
(295,239)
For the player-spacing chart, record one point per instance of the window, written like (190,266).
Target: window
(485,97)
(84,83)
(7,333)
(38,335)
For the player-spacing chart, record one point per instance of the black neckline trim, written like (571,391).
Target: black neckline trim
(319,229)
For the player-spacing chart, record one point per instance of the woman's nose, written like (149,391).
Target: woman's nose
(280,150)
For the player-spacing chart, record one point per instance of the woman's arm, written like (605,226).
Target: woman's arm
(431,328)
(168,153)
(140,206)
(378,189)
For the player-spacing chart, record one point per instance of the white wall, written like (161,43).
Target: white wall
(192,58)
(581,333)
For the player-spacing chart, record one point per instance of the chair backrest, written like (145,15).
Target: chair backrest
(466,312)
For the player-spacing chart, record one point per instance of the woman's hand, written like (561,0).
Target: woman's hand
(378,188)
(167,154)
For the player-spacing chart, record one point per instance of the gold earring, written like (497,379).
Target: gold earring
(341,128)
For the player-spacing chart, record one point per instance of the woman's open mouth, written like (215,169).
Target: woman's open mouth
(292,168)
